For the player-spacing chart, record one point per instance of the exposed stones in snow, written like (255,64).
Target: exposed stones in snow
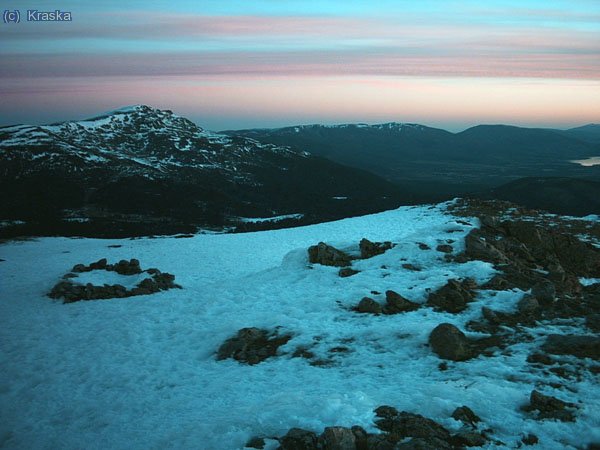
(328,256)
(448,342)
(369,249)
(368,305)
(71,291)
(579,346)
(466,415)
(396,304)
(444,248)
(252,345)
(400,430)
(453,297)
(346,272)
(548,407)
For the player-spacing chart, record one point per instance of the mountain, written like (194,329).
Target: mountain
(139,170)
(259,339)
(571,196)
(588,133)
(435,160)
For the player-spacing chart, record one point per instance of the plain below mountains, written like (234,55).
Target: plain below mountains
(140,171)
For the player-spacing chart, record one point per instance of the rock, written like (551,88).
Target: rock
(476,247)
(369,249)
(444,248)
(255,442)
(404,424)
(544,292)
(448,342)
(99,265)
(328,256)
(528,305)
(497,283)
(453,297)
(361,437)
(409,266)
(465,415)
(298,439)
(540,358)
(423,444)
(530,439)
(347,272)
(251,346)
(550,407)
(423,246)
(395,304)
(131,267)
(79,268)
(337,438)
(579,346)
(368,305)
(380,442)
(386,411)
(593,322)
(469,438)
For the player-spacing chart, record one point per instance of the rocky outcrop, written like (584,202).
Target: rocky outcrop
(368,305)
(327,255)
(252,345)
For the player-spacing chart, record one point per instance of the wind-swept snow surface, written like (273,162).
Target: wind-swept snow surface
(141,372)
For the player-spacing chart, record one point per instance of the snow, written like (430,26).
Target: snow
(589,281)
(102,277)
(270,219)
(140,372)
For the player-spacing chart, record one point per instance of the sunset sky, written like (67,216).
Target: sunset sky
(235,64)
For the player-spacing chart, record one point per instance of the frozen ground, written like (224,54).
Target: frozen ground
(140,372)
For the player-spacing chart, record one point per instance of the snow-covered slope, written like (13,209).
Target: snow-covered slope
(141,372)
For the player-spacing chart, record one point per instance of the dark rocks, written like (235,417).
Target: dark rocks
(369,249)
(530,439)
(255,442)
(448,342)
(468,438)
(404,424)
(337,438)
(328,256)
(478,247)
(453,297)
(540,358)
(593,322)
(544,292)
(550,407)
(444,248)
(368,305)
(71,291)
(579,346)
(252,346)
(528,305)
(423,246)
(466,415)
(347,272)
(396,304)
(423,444)
(409,266)
(298,439)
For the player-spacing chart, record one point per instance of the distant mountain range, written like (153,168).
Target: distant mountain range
(436,161)
(139,170)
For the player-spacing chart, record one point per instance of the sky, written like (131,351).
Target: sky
(238,64)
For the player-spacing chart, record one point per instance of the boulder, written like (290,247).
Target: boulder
(550,407)
(544,292)
(448,342)
(368,305)
(251,346)
(298,439)
(396,304)
(528,305)
(444,248)
(328,256)
(466,415)
(468,438)
(346,272)
(403,424)
(593,322)
(453,297)
(576,345)
(477,247)
(369,249)
(337,438)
